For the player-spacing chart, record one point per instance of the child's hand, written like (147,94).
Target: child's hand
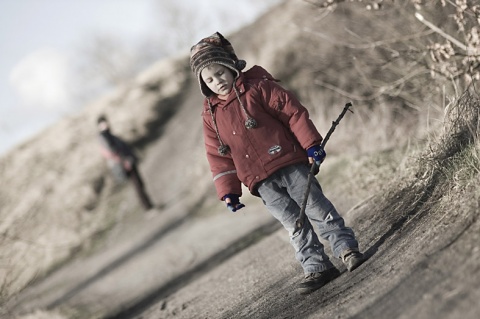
(316,153)
(233,202)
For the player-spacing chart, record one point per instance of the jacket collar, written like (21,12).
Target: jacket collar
(215,101)
(255,72)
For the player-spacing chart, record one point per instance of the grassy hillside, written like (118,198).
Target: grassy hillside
(58,198)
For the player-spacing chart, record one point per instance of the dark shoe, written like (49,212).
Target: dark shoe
(353,259)
(316,280)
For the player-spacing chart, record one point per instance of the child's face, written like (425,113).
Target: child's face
(218,78)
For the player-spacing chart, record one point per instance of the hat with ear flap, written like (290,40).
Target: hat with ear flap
(210,50)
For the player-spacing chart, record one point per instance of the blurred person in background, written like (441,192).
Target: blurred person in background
(121,160)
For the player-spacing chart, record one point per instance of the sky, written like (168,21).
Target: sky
(40,41)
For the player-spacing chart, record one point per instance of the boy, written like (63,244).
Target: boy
(121,160)
(257,133)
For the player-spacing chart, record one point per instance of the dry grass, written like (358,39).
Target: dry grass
(448,165)
(451,159)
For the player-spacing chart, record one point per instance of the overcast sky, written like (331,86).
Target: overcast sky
(39,40)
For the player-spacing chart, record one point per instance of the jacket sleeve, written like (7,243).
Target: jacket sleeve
(284,106)
(223,169)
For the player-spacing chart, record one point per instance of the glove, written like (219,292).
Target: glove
(317,153)
(233,202)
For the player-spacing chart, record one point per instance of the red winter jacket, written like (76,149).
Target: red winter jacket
(283,133)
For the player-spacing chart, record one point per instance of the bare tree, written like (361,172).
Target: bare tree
(107,60)
(450,39)
(181,24)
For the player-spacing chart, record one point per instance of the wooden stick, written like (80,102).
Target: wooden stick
(301,217)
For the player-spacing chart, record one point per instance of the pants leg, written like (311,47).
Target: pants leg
(139,187)
(283,193)
(308,249)
(320,211)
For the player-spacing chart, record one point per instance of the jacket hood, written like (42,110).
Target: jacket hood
(258,72)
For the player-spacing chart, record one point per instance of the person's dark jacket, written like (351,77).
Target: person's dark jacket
(119,155)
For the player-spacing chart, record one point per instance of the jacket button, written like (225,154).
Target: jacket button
(247,156)
(257,177)
(234,132)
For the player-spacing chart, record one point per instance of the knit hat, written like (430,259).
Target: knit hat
(213,49)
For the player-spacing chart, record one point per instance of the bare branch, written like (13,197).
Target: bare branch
(440,31)
(368,45)
(386,89)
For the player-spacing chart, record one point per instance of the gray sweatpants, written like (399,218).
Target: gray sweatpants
(282,193)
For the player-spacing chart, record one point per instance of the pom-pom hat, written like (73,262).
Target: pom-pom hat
(217,49)
(213,49)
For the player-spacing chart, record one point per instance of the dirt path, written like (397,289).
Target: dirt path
(420,266)
(158,254)
(242,266)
